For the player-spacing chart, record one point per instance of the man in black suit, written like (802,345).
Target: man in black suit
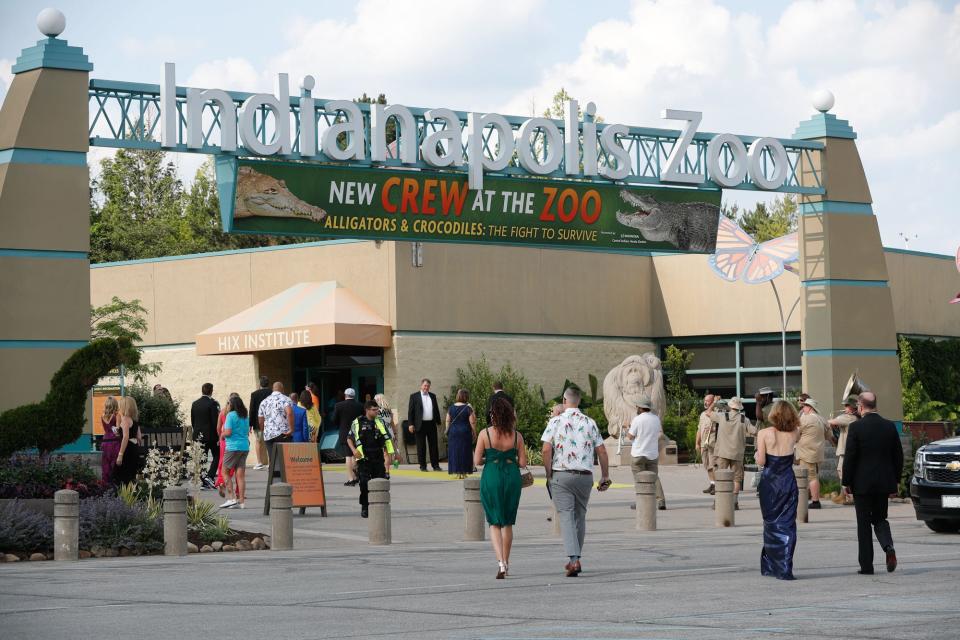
(344,413)
(203,418)
(423,413)
(498,392)
(256,398)
(872,465)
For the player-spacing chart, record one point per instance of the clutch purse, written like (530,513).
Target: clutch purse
(526,478)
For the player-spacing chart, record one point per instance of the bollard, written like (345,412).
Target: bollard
(66,525)
(378,523)
(175,521)
(803,489)
(281,516)
(646,489)
(724,498)
(473,518)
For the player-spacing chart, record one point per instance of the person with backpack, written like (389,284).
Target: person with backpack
(367,440)
(732,430)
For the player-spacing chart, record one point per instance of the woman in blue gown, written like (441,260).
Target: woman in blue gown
(461,432)
(778,491)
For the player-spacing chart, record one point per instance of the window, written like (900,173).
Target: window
(759,355)
(712,356)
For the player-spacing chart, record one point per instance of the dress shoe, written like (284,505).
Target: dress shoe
(865,572)
(662,506)
(501,570)
(712,490)
(423,468)
(573,569)
(891,560)
(364,513)
(814,505)
(437,469)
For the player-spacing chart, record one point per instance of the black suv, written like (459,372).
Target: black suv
(935,487)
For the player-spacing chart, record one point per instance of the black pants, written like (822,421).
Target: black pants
(871,512)
(367,469)
(214,449)
(272,453)
(428,432)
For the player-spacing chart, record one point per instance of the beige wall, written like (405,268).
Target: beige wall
(46,109)
(922,287)
(45,206)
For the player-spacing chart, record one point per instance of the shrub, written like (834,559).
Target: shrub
(110,523)
(201,515)
(155,410)
(22,529)
(218,529)
(30,477)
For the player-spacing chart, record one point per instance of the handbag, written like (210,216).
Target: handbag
(526,478)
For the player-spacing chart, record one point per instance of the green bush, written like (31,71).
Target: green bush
(937,366)
(24,530)
(218,529)
(112,524)
(155,411)
(31,477)
(60,417)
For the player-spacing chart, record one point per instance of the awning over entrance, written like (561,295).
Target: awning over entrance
(309,314)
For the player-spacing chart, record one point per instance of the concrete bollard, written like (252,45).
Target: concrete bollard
(281,516)
(803,488)
(646,490)
(378,524)
(724,498)
(473,519)
(175,521)
(66,525)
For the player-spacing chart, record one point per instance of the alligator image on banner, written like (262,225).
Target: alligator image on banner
(261,195)
(688,226)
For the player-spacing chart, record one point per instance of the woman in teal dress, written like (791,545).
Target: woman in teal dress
(501,452)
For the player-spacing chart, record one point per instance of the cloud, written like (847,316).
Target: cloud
(234,74)
(6,77)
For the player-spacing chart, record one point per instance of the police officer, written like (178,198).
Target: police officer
(367,439)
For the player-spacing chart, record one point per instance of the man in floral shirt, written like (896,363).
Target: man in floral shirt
(569,443)
(275,416)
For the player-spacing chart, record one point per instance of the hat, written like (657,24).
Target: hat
(851,401)
(735,403)
(810,402)
(765,391)
(644,403)
(349,393)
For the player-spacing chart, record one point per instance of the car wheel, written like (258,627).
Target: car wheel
(944,526)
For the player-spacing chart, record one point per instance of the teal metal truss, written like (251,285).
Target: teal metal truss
(126,115)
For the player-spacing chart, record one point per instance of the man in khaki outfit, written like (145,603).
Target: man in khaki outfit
(732,430)
(706,439)
(811,447)
(842,423)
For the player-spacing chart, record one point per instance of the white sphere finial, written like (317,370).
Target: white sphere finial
(51,22)
(823,101)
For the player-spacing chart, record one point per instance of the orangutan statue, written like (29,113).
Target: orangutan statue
(635,377)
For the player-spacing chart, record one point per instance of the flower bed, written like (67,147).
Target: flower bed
(29,477)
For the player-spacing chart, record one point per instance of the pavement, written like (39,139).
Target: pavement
(688,579)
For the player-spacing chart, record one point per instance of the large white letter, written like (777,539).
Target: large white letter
(590,154)
(779,156)
(280,106)
(450,138)
(671,173)
(168,106)
(308,118)
(407,132)
(554,141)
(352,127)
(196,98)
(738,153)
(571,138)
(612,147)
(478,162)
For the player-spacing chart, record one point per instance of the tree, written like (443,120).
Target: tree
(917,404)
(121,319)
(765,222)
(680,422)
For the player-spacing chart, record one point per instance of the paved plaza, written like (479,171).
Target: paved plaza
(686,580)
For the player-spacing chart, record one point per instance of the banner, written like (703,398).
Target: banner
(331,202)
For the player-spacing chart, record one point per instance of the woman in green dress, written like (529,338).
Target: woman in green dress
(501,452)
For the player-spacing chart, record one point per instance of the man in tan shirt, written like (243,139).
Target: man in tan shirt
(842,423)
(732,430)
(706,439)
(814,432)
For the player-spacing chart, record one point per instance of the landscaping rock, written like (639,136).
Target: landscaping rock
(124,552)
(244,545)
(37,556)
(217,546)
(9,557)
(192,548)
(258,544)
(96,551)
(206,549)
(229,547)
(84,554)
(109,553)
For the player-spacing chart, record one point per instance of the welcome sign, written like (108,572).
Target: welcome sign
(307,200)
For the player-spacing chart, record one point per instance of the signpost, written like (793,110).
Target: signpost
(301,468)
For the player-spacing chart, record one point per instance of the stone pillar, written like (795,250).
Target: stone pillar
(474,522)
(378,524)
(723,498)
(803,489)
(281,516)
(44,216)
(646,490)
(847,319)
(175,521)
(66,525)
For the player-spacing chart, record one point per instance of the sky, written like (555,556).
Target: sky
(750,67)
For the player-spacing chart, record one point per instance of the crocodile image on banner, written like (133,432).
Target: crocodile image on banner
(689,226)
(261,195)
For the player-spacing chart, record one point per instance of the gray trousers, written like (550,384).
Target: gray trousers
(571,493)
(641,464)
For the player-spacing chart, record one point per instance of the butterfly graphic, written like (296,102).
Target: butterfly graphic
(738,256)
(956,298)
